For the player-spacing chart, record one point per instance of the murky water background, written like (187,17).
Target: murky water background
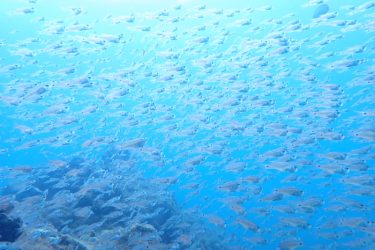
(187,124)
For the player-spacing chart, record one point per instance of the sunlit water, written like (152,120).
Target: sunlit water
(251,120)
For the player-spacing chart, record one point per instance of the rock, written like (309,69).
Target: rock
(10,229)
(7,246)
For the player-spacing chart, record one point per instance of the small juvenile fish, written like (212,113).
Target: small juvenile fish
(333,168)
(135,143)
(24,129)
(252,179)
(281,166)
(248,225)
(230,186)
(293,191)
(275,196)
(366,134)
(236,167)
(238,209)
(361,180)
(320,10)
(195,160)
(296,222)
(290,244)
(257,240)
(285,209)
(216,220)
(25,11)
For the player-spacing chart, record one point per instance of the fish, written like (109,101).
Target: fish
(230,186)
(216,220)
(248,225)
(275,196)
(134,143)
(289,244)
(292,191)
(365,134)
(296,222)
(228,113)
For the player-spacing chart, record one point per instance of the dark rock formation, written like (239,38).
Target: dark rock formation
(10,229)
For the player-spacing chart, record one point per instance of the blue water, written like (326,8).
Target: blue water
(254,120)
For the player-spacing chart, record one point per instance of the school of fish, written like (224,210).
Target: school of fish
(193,126)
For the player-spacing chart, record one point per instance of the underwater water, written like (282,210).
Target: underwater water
(244,124)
